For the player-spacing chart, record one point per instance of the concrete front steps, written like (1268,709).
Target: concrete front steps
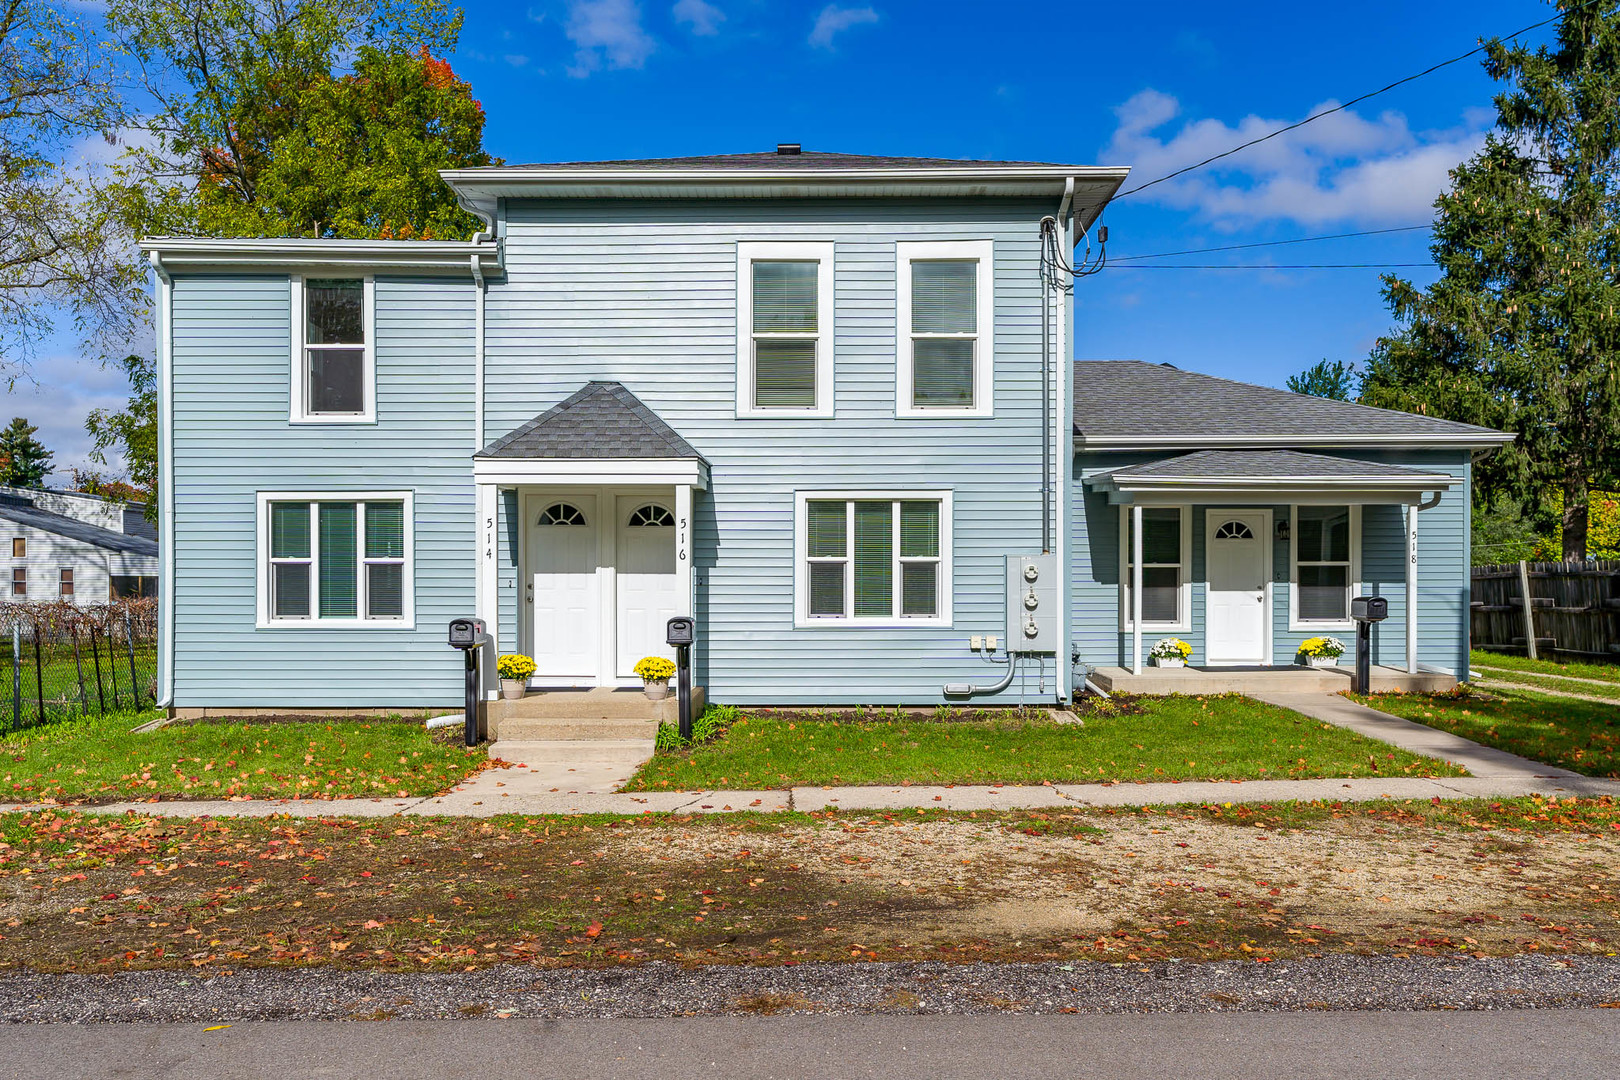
(578,741)
(1276,680)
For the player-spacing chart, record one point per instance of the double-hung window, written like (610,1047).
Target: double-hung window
(64,581)
(945,316)
(333,360)
(784,329)
(1166,563)
(1326,543)
(335,559)
(873,559)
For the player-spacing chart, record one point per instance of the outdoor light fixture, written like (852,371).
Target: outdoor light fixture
(1282,528)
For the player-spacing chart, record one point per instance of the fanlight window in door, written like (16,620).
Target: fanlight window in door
(562,514)
(1234,530)
(651,516)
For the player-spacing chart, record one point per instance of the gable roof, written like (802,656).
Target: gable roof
(602,420)
(1132,404)
(24,512)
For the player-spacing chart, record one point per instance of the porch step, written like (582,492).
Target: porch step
(602,703)
(571,728)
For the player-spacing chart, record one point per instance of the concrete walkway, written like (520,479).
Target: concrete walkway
(546,789)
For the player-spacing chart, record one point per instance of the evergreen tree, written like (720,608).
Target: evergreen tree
(24,461)
(1326,379)
(1521,331)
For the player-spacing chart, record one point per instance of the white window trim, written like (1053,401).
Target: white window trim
(66,576)
(1354,584)
(261,556)
(1183,621)
(299,392)
(749,252)
(801,562)
(984,366)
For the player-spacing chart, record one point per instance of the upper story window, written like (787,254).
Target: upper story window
(335,559)
(946,294)
(784,329)
(333,364)
(19,547)
(1326,543)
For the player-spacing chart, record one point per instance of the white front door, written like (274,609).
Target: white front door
(564,588)
(648,585)
(1238,564)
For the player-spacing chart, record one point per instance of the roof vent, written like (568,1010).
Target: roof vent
(787,148)
(1169,365)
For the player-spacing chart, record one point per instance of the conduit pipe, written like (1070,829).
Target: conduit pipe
(968,690)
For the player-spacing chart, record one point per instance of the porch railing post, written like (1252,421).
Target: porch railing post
(1136,589)
(1412,590)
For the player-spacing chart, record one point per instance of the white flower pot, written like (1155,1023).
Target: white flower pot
(1167,661)
(1321,661)
(512,689)
(655,689)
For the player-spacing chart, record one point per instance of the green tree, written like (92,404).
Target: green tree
(1520,331)
(256,134)
(1326,379)
(24,461)
(131,433)
(60,249)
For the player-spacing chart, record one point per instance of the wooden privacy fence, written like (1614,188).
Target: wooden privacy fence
(60,660)
(1568,608)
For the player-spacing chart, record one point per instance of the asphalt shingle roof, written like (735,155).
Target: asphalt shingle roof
(808,159)
(24,512)
(1142,400)
(602,420)
(1261,464)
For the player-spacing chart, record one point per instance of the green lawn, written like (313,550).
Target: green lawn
(1549,682)
(1176,738)
(102,759)
(1481,658)
(1579,735)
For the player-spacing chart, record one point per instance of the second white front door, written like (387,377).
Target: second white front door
(1238,564)
(648,586)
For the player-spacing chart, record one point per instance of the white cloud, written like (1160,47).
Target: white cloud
(607,31)
(61,394)
(704,18)
(1341,168)
(834,20)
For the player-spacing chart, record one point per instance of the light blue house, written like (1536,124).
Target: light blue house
(825,403)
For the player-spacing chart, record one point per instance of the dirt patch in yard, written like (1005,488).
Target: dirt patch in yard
(85,893)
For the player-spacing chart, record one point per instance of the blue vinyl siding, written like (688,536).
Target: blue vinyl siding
(1443,570)
(232,438)
(645,293)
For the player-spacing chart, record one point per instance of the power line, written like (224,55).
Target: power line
(1346,105)
(1266,266)
(1266,243)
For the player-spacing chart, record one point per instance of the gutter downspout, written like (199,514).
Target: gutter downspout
(478,346)
(166,583)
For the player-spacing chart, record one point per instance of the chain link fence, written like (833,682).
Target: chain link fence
(60,660)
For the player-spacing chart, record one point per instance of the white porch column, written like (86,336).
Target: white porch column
(683,547)
(486,574)
(1136,589)
(607,586)
(1412,590)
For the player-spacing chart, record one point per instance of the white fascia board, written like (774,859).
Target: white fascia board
(508,472)
(1422,482)
(1336,496)
(1412,441)
(457,258)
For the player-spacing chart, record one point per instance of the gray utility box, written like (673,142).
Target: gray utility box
(1032,604)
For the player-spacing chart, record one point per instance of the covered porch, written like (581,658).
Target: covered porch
(585,518)
(1247,554)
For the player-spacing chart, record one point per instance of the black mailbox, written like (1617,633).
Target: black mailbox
(680,630)
(1369,609)
(466,633)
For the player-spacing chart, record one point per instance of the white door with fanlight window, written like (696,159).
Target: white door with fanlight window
(564,590)
(649,589)
(1237,594)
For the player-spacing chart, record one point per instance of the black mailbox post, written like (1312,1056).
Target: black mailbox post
(468,635)
(1366,610)
(680,632)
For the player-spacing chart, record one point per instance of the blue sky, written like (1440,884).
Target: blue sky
(1153,86)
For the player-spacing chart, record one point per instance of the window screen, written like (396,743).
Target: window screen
(944,332)
(785,333)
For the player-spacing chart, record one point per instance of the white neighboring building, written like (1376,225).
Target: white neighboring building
(65,545)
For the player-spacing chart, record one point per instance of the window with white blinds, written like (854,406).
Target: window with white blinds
(1166,562)
(335,559)
(873,559)
(1325,543)
(944,318)
(784,324)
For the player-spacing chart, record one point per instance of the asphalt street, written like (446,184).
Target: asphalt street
(1523,1044)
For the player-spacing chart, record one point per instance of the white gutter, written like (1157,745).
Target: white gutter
(1405,441)
(553,174)
(1393,483)
(419,256)
(166,582)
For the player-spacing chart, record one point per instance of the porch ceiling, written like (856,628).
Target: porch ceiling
(1268,476)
